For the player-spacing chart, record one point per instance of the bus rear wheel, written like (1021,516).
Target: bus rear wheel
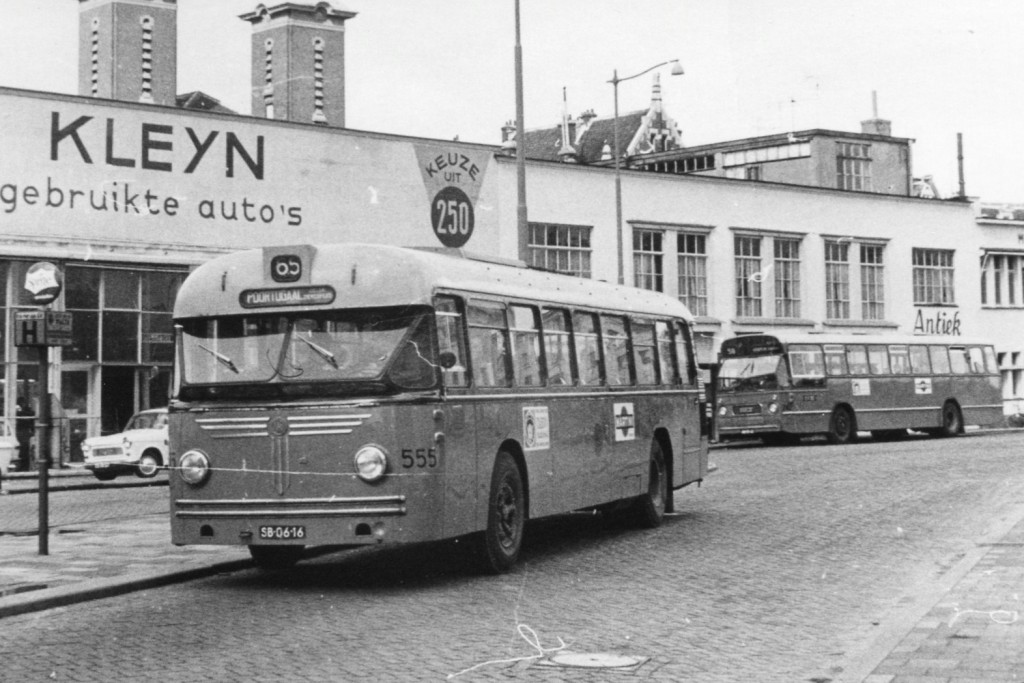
(650,507)
(952,420)
(276,556)
(842,428)
(506,517)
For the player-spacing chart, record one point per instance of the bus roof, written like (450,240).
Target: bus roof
(787,337)
(374,275)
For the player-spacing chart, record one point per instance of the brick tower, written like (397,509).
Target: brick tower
(128,50)
(298,62)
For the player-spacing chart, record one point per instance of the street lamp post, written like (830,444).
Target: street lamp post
(677,70)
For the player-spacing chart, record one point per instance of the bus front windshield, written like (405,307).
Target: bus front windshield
(749,373)
(382,347)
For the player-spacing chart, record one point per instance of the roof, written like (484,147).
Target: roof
(199,100)
(545,143)
(374,275)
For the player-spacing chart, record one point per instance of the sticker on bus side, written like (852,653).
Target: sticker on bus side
(625,421)
(922,385)
(536,428)
(860,387)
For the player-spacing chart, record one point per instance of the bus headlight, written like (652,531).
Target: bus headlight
(194,467)
(773,408)
(723,411)
(371,462)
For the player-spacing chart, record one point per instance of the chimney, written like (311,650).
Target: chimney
(508,131)
(128,50)
(298,62)
(875,125)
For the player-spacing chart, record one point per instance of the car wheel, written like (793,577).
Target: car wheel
(842,427)
(952,421)
(149,465)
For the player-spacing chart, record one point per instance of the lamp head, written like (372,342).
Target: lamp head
(677,68)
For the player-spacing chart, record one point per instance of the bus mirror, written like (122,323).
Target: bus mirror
(448,360)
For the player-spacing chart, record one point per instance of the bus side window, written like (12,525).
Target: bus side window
(666,365)
(899,359)
(525,346)
(878,359)
(588,347)
(857,359)
(977,360)
(451,339)
(958,360)
(940,359)
(616,350)
(557,345)
(835,359)
(684,346)
(919,362)
(643,352)
(488,344)
(991,363)
(806,365)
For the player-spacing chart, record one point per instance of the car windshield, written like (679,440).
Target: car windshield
(310,348)
(755,372)
(147,421)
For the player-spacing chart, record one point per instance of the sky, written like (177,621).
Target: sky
(445,68)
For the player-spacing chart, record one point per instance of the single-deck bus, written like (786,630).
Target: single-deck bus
(345,395)
(782,386)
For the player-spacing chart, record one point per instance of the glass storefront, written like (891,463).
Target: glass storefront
(119,362)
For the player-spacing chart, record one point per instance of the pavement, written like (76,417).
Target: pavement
(937,640)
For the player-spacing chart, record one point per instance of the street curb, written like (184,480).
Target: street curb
(95,589)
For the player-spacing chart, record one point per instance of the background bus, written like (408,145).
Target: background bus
(786,385)
(358,394)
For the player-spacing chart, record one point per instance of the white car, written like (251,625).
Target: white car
(141,448)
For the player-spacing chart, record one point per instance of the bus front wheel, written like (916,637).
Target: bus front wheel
(952,421)
(842,428)
(506,517)
(650,507)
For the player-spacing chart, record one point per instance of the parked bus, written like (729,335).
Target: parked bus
(783,386)
(346,395)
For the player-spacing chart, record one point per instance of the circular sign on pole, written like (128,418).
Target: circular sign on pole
(451,212)
(44,282)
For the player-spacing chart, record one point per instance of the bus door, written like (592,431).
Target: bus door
(696,414)
(804,390)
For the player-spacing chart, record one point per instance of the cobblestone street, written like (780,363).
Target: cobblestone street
(803,563)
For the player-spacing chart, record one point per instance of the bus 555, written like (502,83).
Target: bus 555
(783,386)
(347,395)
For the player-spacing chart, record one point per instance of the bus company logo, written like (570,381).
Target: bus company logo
(286,268)
(923,385)
(625,421)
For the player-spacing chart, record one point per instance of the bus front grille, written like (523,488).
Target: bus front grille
(297,507)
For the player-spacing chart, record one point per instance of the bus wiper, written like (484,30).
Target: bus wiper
(320,351)
(222,359)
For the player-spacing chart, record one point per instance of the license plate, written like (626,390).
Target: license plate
(747,410)
(282,533)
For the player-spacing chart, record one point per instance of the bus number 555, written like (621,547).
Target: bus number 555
(419,457)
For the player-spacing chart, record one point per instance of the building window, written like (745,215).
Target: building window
(147,60)
(933,277)
(748,276)
(94,64)
(648,267)
(562,248)
(752,173)
(318,81)
(268,78)
(837,280)
(1002,276)
(793,150)
(693,272)
(787,278)
(853,167)
(872,286)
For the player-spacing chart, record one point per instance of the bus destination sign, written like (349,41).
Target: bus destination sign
(288,296)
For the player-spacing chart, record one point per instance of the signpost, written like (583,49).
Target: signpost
(42,329)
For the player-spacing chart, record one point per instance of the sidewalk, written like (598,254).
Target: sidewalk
(94,559)
(967,625)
